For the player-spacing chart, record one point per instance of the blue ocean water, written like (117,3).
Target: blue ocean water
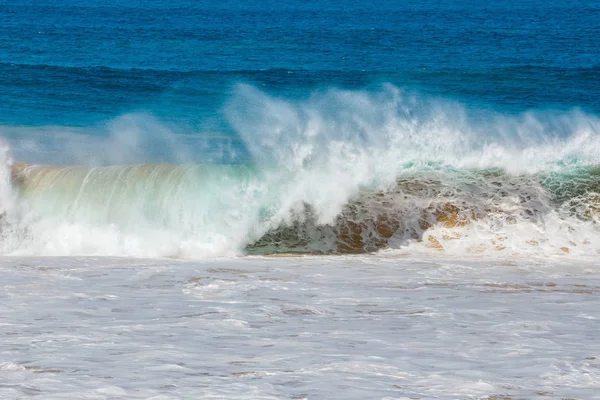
(76,63)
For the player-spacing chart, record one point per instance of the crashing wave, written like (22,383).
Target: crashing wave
(338,172)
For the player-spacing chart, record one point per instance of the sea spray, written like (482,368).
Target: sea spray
(336,172)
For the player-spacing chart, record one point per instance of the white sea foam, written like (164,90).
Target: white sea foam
(349,327)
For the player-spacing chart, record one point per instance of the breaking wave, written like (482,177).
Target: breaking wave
(337,172)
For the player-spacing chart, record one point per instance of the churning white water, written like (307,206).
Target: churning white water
(350,327)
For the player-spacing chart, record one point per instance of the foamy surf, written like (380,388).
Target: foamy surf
(339,172)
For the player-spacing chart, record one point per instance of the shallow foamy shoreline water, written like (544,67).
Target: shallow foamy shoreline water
(299,327)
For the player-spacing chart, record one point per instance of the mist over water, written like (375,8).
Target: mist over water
(334,171)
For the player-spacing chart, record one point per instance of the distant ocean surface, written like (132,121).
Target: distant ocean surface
(73,63)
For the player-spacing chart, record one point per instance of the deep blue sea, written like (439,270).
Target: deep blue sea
(82,64)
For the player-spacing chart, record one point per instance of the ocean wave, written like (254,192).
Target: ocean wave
(338,172)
